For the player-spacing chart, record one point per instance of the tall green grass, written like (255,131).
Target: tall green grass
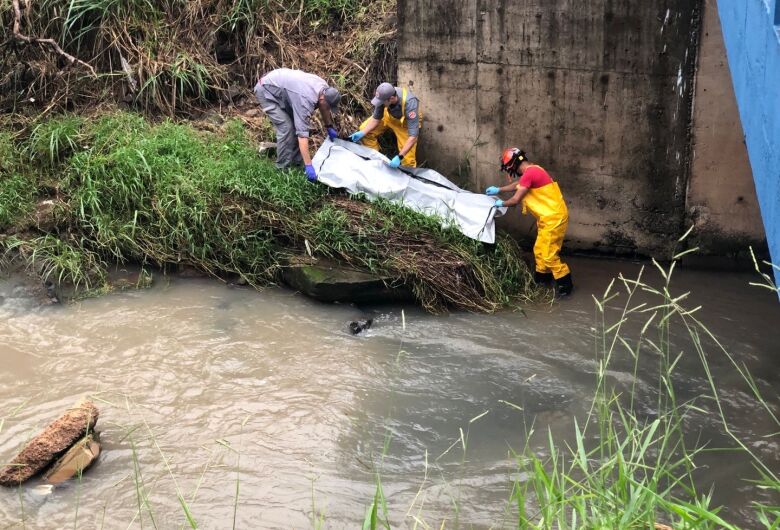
(53,141)
(248,14)
(165,194)
(17,186)
(625,470)
(59,262)
(622,470)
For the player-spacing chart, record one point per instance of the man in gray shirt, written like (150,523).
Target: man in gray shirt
(398,109)
(289,97)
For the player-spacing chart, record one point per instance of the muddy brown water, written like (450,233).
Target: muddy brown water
(206,389)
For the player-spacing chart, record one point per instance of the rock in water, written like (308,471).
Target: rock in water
(357,326)
(330,281)
(77,459)
(50,443)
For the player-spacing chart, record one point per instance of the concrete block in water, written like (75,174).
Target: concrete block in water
(329,281)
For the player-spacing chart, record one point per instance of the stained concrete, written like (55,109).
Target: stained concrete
(600,93)
(721,198)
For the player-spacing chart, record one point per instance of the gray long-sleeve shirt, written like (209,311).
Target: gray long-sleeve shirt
(296,91)
(412,111)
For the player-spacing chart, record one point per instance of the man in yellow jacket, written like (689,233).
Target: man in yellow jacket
(541,196)
(398,109)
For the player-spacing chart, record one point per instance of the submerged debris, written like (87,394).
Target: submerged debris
(55,439)
(358,326)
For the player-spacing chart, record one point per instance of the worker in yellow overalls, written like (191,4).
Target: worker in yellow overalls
(399,110)
(542,197)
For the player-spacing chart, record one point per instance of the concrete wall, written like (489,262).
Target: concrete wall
(721,195)
(753,46)
(600,93)
(597,92)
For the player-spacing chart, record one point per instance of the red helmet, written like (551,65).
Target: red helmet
(511,159)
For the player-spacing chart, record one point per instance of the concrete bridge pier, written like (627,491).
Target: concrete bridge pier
(627,104)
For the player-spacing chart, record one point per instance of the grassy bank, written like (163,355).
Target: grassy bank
(119,189)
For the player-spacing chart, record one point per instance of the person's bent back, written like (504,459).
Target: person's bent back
(289,97)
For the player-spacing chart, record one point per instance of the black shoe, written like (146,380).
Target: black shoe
(564,285)
(543,278)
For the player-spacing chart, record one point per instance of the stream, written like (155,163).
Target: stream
(215,393)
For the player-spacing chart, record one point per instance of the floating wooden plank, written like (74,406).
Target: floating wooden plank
(52,442)
(75,461)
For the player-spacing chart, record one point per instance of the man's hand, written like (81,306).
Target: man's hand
(492,190)
(357,136)
(499,203)
(311,175)
(332,133)
(395,162)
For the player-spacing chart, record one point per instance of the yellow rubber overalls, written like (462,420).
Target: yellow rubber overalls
(552,218)
(398,127)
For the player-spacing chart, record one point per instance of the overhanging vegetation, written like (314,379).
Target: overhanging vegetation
(176,56)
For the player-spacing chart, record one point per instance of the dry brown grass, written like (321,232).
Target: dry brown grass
(178,57)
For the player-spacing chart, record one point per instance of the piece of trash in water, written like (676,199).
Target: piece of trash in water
(52,441)
(357,326)
(78,458)
(43,489)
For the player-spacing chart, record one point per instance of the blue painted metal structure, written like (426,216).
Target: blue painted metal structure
(751,31)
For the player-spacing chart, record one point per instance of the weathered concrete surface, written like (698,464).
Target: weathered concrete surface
(721,198)
(328,281)
(598,92)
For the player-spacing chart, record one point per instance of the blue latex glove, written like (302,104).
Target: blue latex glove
(332,133)
(396,161)
(499,203)
(357,136)
(492,190)
(311,175)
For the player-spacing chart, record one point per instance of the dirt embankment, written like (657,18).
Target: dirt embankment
(184,58)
